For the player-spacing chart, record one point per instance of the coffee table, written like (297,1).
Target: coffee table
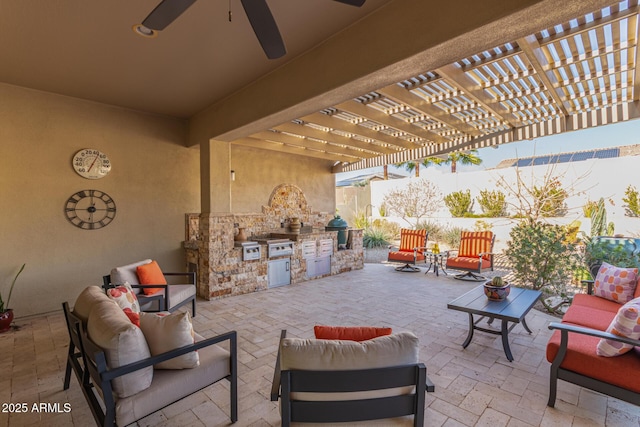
(513,309)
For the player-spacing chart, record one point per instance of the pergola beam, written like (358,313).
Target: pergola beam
(292,149)
(350,128)
(385,119)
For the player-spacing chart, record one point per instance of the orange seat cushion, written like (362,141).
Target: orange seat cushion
(598,303)
(589,317)
(466,263)
(581,358)
(350,333)
(150,274)
(405,256)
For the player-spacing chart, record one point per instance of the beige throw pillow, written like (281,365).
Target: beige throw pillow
(165,332)
(335,355)
(123,343)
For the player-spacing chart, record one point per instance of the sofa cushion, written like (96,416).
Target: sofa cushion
(592,301)
(170,385)
(179,293)
(581,358)
(150,274)
(127,273)
(467,263)
(352,333)
(125,298)
(625,324)
(165,332)
(334,355)
(615,283)
(589,317)
(86,300)
(123,343)
(405,256)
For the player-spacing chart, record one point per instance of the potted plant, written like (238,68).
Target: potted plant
(497,289)
(6,314)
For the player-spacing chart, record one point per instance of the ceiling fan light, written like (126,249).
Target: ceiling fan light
(143,31)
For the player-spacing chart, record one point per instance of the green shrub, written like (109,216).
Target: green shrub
(550,199)
(391,229)
(598,251)
(493,203)
(434,230)
(376,237)
(451,236)
(361,221)
(632,207)
(542,258)
(459,203)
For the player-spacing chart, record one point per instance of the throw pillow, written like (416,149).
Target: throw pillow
(165,332)
(351,333)
(134,317)
(123,343)
(150,274)
(615,283)
(625,324)
(125,298)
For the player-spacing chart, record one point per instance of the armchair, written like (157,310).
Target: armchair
(170,297)
(474,255)
(328,381)
(413,244)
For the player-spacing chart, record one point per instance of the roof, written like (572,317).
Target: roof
(576,156)
(365,179)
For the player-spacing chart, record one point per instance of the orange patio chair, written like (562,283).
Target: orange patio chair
(413,244)
(475,255)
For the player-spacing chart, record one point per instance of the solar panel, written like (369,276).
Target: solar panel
(582,156)
(543,160)
(608,153)
(564,158)
(524,162)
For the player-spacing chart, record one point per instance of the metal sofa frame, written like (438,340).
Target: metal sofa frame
(88,362)
(160,297)
(558,372)
(291,381)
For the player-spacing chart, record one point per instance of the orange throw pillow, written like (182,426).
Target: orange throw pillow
(350,333)
(150,274)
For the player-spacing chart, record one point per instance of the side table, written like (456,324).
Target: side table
(437,261)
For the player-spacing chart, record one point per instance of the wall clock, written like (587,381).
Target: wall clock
(91,164)
(90,209)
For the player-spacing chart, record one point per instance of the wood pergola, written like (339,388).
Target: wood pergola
(569,77)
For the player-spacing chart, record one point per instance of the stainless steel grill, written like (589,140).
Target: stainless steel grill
(277,247)
(251,250)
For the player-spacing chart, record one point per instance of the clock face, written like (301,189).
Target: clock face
(91,164)
(90,209)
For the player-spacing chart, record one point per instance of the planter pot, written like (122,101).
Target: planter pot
(5,320)
(496,293)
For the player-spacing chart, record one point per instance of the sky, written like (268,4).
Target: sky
(615,135)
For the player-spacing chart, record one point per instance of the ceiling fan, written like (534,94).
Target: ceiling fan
(258,12)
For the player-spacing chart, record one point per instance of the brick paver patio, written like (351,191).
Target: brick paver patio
(474,387)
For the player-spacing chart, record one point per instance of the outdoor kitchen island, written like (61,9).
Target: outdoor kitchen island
(271,251)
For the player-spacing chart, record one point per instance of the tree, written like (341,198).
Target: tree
(470,158)
(416,201)
(410,166)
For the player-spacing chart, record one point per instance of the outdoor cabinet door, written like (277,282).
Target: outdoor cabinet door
(279,272)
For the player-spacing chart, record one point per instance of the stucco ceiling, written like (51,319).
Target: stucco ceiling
(393,81)
(86,49)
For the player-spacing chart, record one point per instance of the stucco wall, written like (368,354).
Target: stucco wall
(154,182)
(258,172)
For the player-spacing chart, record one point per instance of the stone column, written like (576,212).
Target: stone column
(215,199)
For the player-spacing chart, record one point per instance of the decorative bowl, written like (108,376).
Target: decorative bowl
(497,293)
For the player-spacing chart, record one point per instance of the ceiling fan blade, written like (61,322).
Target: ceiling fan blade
(165,13)
(265,27)
(356,3)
